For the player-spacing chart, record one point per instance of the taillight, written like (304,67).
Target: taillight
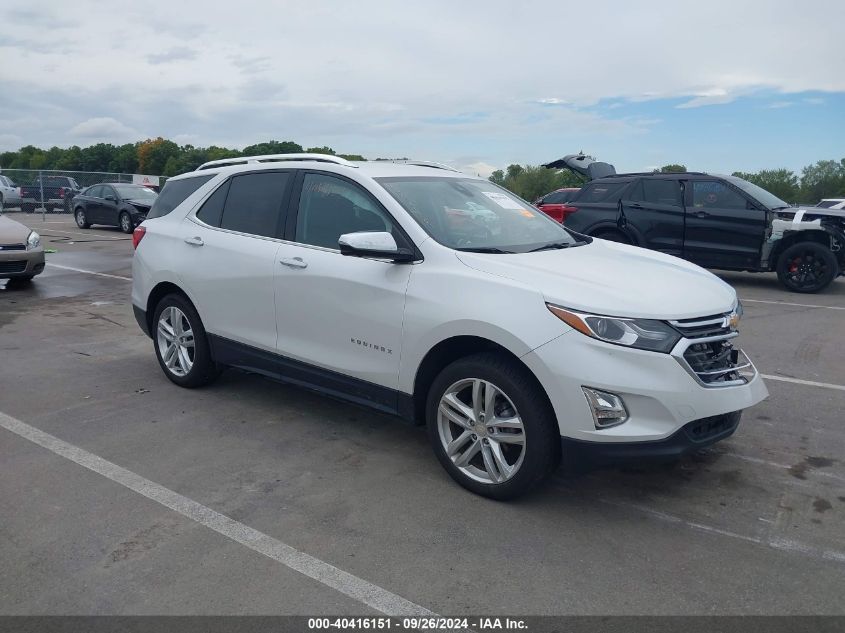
(61,192)
(565,212)
(137,235)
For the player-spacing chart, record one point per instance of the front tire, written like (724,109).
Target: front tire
(81,220)
(181,344)
(125,222)
(807,267)
(491,426)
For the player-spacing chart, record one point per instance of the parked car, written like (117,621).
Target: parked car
(113,204)
(832,203)
(57,193)
(720,222)
(554,204)
(349,279)
(10,194)
(21,254)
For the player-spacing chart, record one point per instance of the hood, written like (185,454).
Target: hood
(12,232)
(614,280)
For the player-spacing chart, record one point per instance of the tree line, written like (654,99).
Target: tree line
(162,157)
(158,156)
(823,179)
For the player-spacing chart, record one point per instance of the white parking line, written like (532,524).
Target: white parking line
(797,305)
(89,234)
(809,383)
(774,542)
(356,588)
(88,272)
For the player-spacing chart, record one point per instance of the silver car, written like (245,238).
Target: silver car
(10,194)
(21,254)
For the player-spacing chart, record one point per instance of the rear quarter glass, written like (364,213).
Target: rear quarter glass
(175,192)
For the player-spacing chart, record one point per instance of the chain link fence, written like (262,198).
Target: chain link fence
(52,191)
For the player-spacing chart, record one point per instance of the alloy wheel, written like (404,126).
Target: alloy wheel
(176,341)
(80,219)
(481,431)
(806,270)
(125,223)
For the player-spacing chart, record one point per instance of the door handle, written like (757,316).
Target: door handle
(293,262)
(701,214)
(194,241)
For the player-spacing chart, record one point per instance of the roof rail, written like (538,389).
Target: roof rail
(272,158)
(426,163)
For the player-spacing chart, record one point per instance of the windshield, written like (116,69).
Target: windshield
(135,192)
(768,200)
(475,215)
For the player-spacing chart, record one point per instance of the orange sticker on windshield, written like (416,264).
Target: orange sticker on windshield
(526,213)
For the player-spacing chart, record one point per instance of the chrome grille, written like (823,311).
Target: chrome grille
(707,354)
(12,247)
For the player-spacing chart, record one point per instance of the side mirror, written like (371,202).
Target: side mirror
(373,245)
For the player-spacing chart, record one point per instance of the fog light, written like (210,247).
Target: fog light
(608,409)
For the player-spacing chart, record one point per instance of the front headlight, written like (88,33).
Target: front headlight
(647,334)
(33,240)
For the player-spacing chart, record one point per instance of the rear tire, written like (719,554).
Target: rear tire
(807,267)
(613,236)
(125,222)
(27,208)
(181,344)
(491,426)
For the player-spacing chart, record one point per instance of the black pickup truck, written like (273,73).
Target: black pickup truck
(58,191)
(720,222)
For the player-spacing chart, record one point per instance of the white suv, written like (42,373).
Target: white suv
(439,297)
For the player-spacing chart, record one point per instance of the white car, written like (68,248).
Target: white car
(517,349)
(832,203)
(10,193)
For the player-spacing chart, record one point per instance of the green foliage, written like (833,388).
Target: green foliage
(532,181)
(673,168)
(825,179)
(781,182)
(157,156)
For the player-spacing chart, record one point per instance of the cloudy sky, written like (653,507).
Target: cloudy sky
(718,86)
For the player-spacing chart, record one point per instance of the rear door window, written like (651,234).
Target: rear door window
(254,203)
(656,191)
(95,192)
(175,192)
(602,191)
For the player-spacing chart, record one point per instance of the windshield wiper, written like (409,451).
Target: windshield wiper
(484,249)
(551,246)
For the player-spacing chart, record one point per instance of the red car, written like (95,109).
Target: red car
(555,205)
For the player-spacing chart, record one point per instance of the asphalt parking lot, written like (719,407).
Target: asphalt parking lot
(753,525)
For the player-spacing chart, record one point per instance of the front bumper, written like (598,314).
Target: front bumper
(660,394)
(689,438)
(21,263)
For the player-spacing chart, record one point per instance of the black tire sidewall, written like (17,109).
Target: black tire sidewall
(120,222)
(203,370)
(542,436)
(787,255)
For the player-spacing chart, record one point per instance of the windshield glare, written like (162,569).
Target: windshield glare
(470,214)
(768,200)
(135,192)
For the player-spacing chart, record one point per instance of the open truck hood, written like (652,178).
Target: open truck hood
(583,165)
